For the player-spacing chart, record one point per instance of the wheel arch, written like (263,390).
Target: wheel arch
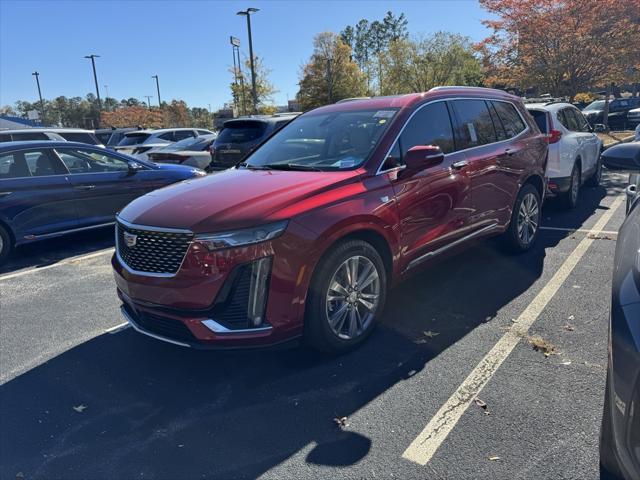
(9,230)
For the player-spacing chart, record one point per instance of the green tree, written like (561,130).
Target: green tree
(331,74)
(201,117)
(241,87)
(441,59)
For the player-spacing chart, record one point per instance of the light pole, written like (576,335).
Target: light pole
(237,72)
(95,77)
(158,88)
(106,88)
(37,75)
(148,97)
(247,13)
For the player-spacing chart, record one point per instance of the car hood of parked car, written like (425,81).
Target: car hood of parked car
(238,198)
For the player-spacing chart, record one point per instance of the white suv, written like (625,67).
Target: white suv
(574,150)
(139,142)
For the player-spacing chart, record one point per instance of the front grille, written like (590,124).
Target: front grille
(153,252)
(165,327)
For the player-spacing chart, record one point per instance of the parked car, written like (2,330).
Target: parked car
(190,151)
(110,137)
(138,143)
(618,110)
(306,235)
(58,134)
(574,150)
(52,188)
(620,432)
(240,135)
(633,117)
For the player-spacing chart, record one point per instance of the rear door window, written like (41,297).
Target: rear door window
(88,161)
(242,132)
(572,121)
(32,163)
(475,124)
(5,137)
(13,165)
(511,119)
(583,124)
(182,134)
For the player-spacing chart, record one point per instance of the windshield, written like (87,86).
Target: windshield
(195,144)
(241,131)
(597,105)
(133,139)
(329,141)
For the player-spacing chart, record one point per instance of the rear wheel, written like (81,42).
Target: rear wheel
(571,197)
(346,297)
(5,244)
(525,220)
(609,468)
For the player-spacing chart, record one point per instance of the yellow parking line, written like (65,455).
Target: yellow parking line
(429,440)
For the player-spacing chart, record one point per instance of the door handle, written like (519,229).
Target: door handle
(85,187)
(510,152)
(459,165)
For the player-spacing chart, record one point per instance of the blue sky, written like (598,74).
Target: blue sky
(185,42)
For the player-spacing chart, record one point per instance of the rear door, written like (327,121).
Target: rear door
(103,182)
(36,197)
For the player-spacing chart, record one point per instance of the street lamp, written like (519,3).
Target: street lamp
(158,88)
(37,75)
(237,71)
(247,13)
(95,77)
(106,87)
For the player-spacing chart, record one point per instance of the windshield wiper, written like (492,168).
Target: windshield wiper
(251,167)
(291,166)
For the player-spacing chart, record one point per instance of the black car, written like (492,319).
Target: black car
(620,433)
(50,188)
(618,109)
(240,135)
(110,137)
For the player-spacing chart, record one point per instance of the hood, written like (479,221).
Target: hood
(238,198)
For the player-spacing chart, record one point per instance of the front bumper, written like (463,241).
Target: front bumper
(221,299)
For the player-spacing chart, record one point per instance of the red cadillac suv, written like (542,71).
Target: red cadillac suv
(305,237)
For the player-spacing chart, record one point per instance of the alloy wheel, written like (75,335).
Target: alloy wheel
(575,186)
(528,218)
(352,297)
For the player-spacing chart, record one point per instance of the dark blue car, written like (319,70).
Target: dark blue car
(50,188)
(620,434)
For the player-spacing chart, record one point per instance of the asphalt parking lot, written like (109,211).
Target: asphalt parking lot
(449,386)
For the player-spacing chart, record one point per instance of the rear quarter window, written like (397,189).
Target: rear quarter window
(510,118)
(29,136)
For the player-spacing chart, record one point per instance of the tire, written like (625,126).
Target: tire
(571,198)
(527,213)
(6,244)
(609,468)
(594,180)
(341,323)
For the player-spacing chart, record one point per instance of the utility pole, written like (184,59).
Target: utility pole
(158,88)
(247,13)
(95,77)
(148,97)
(106,88)
(37,75)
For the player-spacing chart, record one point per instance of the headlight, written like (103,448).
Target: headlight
(238,238)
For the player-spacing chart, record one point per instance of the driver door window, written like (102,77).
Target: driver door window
(80,161)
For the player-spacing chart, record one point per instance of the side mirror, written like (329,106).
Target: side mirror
(623,158)
(599,127)
(134,167)
(420,157)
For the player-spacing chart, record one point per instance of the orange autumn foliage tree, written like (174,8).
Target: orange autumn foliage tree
(561,46)
(132,117)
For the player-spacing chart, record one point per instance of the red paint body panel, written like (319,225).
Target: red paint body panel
(412,214)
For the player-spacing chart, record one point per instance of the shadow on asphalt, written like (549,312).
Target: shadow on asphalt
(156,410)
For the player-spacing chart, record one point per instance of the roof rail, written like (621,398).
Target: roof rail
(353,99)
(463,87)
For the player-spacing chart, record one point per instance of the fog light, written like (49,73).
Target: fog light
(258,290)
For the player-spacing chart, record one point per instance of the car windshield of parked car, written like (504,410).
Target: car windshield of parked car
(242,131)
(192,144)
(324,141)
(133,139)
(597,105)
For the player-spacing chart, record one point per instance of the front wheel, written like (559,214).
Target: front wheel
(594,180)
(525,220)
(570,199)
(5,244)
(346,297)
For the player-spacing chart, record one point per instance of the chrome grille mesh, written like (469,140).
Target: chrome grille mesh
(154,251)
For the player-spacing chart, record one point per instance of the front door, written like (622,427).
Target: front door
(434,203)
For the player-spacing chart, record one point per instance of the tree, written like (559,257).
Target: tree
(441,59)
(201,117)
(331,74)
(133,116)
(241,89)
(562,46)
(176,114)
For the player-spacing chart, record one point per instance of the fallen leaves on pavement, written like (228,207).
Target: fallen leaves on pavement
(493,458)
(539,344)
(341,422)
(427,334)
(482,405)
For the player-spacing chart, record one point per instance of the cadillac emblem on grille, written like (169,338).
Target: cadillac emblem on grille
(130,239)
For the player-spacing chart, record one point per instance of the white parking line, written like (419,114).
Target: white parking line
(429,440)
(580,230)
(117,328)
(57,264)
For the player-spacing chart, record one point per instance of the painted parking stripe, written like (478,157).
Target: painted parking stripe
(429,440)
(67,261)
(580,230)
(117,328)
